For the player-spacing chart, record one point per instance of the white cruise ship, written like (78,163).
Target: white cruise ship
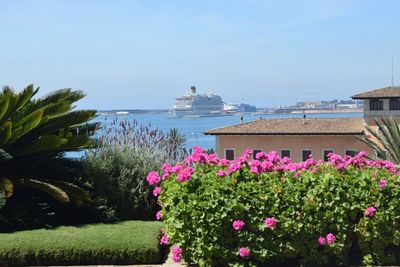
(198,105)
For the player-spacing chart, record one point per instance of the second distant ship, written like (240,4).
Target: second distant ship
(193,104)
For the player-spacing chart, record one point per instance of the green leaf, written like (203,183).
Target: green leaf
(47,142)
(76,194)
(4,156)
(6,187)
(4,102)
(5,133)
(54,191)
(25,125)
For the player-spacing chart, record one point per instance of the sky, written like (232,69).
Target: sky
(128,54)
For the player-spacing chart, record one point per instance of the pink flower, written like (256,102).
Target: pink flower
(221,173)
(153,178)
(159,215)
(248,152)
(382,183)
(370,212)
(362,154)
(157,191)
(176,254)
(166,167)
(330,238)
(224,162)
(176,168)
(235,166)
(165,176)
(261,155)
(286,160)
(244,252)
(238,225)
(273,156)
(322,241)
(164,240)
(270,222)
(185,174)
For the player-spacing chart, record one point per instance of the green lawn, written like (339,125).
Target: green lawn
(130,242)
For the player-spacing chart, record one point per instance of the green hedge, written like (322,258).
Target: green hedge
(273,211)
(129,242)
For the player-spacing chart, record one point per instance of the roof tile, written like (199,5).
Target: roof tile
(299,126)
(385,92)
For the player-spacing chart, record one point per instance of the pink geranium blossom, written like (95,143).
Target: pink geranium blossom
(157,191)
(176,254)
(244,252)
(164,240)
(165,176)
(185,174)
(322,241)
(382,183)
(222,173)
(238,225)
(153,178)
(330,239)
(370,212)
(159,215)
(273,156)
(270,222)
(166,167)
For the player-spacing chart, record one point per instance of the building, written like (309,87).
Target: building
(301,137)
(378,103)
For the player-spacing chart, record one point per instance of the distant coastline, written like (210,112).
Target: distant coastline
(260,111)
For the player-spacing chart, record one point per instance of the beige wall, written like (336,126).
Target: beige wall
(370,115)
(295,143)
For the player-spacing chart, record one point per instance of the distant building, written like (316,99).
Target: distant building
(246,108)
(299,138)
(380,103)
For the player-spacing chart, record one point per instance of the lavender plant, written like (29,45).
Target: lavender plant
(118,165)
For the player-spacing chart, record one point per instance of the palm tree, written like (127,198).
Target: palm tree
(385,139)
(176,142)
(34,134)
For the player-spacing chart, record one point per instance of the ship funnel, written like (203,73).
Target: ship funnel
(193,89)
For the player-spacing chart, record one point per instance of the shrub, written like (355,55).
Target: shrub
(130,242)
(117,168)
(273,211)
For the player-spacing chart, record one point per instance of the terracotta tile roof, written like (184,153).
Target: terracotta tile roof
(385,92)
(313,126)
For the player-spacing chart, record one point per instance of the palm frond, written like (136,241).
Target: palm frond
(54,191)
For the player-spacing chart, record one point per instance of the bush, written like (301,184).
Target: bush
(131,242)
(273,211)
(117,168)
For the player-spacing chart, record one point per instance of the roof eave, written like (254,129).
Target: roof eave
(370,97)
(293,134)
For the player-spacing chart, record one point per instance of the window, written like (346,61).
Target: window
(255,151)
(350,152)
(380,154)
(230,153)
(394,104)
(326,153)
(285,153)
(305,154)
(376,104)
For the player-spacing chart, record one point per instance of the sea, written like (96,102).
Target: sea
(193,128)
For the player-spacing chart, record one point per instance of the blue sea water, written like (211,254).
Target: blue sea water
(193,128)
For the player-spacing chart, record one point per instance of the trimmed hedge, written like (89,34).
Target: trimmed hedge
(129,242)
(271,211)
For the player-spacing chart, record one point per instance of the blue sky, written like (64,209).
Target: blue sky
(141,54)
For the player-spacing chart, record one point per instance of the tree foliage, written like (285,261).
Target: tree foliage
(384,139)
(34,134)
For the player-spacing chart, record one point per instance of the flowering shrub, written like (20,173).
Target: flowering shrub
(273,211)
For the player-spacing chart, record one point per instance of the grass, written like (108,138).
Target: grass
(129,242)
